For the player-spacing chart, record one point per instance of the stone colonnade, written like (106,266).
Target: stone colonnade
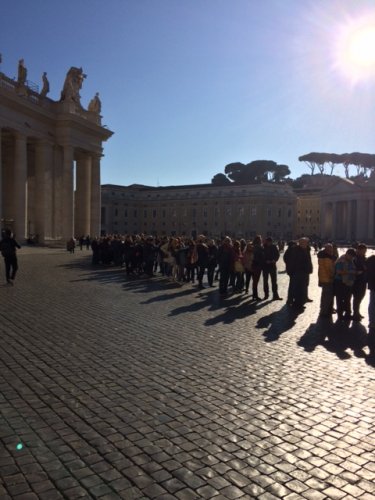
(350,220)
(48,190)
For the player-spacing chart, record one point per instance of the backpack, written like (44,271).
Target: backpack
(7,249)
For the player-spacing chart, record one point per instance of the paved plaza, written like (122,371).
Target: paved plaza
(119,388)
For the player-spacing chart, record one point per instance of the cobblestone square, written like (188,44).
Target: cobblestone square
(135,388)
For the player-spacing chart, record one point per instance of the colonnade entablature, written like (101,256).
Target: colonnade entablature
(50,153)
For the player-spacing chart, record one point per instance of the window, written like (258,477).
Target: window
(241,211)
(125,213)
(253,211)
(116,212)
(154,214)
(145,214)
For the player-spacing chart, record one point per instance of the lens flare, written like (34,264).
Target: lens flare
(355,49)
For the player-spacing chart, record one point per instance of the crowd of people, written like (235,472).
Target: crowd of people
(240,266)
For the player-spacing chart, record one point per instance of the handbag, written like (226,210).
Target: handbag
(238,267)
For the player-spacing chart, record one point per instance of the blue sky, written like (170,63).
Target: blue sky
(189,86)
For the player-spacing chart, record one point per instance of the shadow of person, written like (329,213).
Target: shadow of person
(278,322)
(316,334)
(335,337)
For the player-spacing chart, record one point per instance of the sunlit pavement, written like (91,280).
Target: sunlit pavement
(115,388)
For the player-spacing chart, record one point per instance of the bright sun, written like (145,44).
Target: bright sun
(355,51)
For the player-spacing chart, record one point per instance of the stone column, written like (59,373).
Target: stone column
(83,195)
(95,197)
(68,195)
(20,186)
(362,217)
(348,221)
(334,221)
(43,161)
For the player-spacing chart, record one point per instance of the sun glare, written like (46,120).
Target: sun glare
(355,50)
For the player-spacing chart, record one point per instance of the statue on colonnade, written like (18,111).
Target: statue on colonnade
(22,72)
(72,86)
(45,88)
(95,104)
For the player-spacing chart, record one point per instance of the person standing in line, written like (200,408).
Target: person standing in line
(225,258)
(359,286)
(258,261)
(299,268)
(8,246)
(288,256)
(248,257)
(271,256)
(212,261)
(370,274)
(345,274)
(326,275)
(202,262)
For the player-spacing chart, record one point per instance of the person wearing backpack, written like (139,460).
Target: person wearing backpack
(8,247)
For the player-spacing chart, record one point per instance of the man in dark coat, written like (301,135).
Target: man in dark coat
(299,268)
(271,255)
(8,246)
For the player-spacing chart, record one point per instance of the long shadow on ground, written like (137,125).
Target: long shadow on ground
(336,337)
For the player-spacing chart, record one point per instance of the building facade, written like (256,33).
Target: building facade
(50,153)
(327,208)
(236,210)
(349,211)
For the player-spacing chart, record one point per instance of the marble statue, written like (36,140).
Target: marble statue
(45,88)
(72,85)
(95,104)
(22,72)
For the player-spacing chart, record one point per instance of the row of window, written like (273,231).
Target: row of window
(227,211)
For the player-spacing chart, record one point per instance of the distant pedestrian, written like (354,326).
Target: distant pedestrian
(70,246)
(8,246)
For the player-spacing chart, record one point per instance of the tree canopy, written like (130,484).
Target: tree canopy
(254,172)
(362,161)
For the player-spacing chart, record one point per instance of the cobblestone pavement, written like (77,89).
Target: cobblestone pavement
(114,388)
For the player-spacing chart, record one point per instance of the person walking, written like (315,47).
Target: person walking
(8,246)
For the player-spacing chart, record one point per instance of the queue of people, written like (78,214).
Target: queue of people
(239,265)
(236,264)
